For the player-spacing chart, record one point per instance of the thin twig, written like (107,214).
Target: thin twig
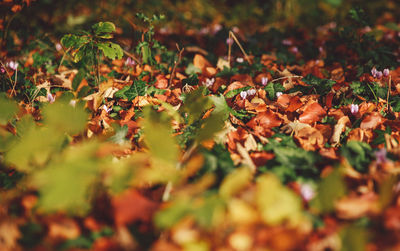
(240,46)
(131,55)
(229,50)
(388,93)
(8,74)
(175,64)
(294,76)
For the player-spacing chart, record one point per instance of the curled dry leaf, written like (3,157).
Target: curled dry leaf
(161,82)
(359,134)
(264,121)
(310,138)
(295,103)
(261,158)
(372,121)
(201,62)
(294,127)
(339,129)
(313,113)
(357,207)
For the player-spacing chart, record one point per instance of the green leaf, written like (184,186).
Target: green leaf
(110,50)
(63,117)
(158,136)
(71,41)
(195,104)
(330,189)
(235,92)
(321,86)
(192,70)
(210,126)
(354,238)
(380,135)
(221,107)
(276,202)
(103,27)
(34,148)
(8,109)
(138,88)
(272,88)
(78,78)
(169,216)
(359,154)
(334,3)
(120,135)
(235,182)
(191,80)
(71,177)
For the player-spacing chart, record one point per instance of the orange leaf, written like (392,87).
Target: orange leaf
(200,62)
(294,104)
(372,121)
(131,206)
(312,114)
(261,158)
(161,82)
(329,98)
(264,121)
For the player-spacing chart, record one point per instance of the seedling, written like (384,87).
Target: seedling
(90,45)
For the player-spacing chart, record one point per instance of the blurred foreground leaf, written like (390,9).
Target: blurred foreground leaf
(330,189)
(276,202)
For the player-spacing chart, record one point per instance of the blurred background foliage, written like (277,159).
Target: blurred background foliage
(65,16)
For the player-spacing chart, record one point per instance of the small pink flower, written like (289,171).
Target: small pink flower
(239,60)
(379,75)
(50,98)
(229,41)
(58,47)
(381,156)
(294,49)
(251,92)
(105,108)
(307,192)
(130,62)
(386,72)
(243,94)
(13,65)
(374,72)
(2,70)
(209,82)
(217,28)
(264,81)
(354,109)
(287,42)
(278,94)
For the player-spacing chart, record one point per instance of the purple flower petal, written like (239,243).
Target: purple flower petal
(354,109)
(386,72)
(381,156)
(243,94)
(264,81)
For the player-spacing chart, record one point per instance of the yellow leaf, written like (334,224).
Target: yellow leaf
(276,202)
(235,181)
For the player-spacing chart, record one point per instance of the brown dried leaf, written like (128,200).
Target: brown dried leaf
(131,206)
(313,113)
(372,121)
